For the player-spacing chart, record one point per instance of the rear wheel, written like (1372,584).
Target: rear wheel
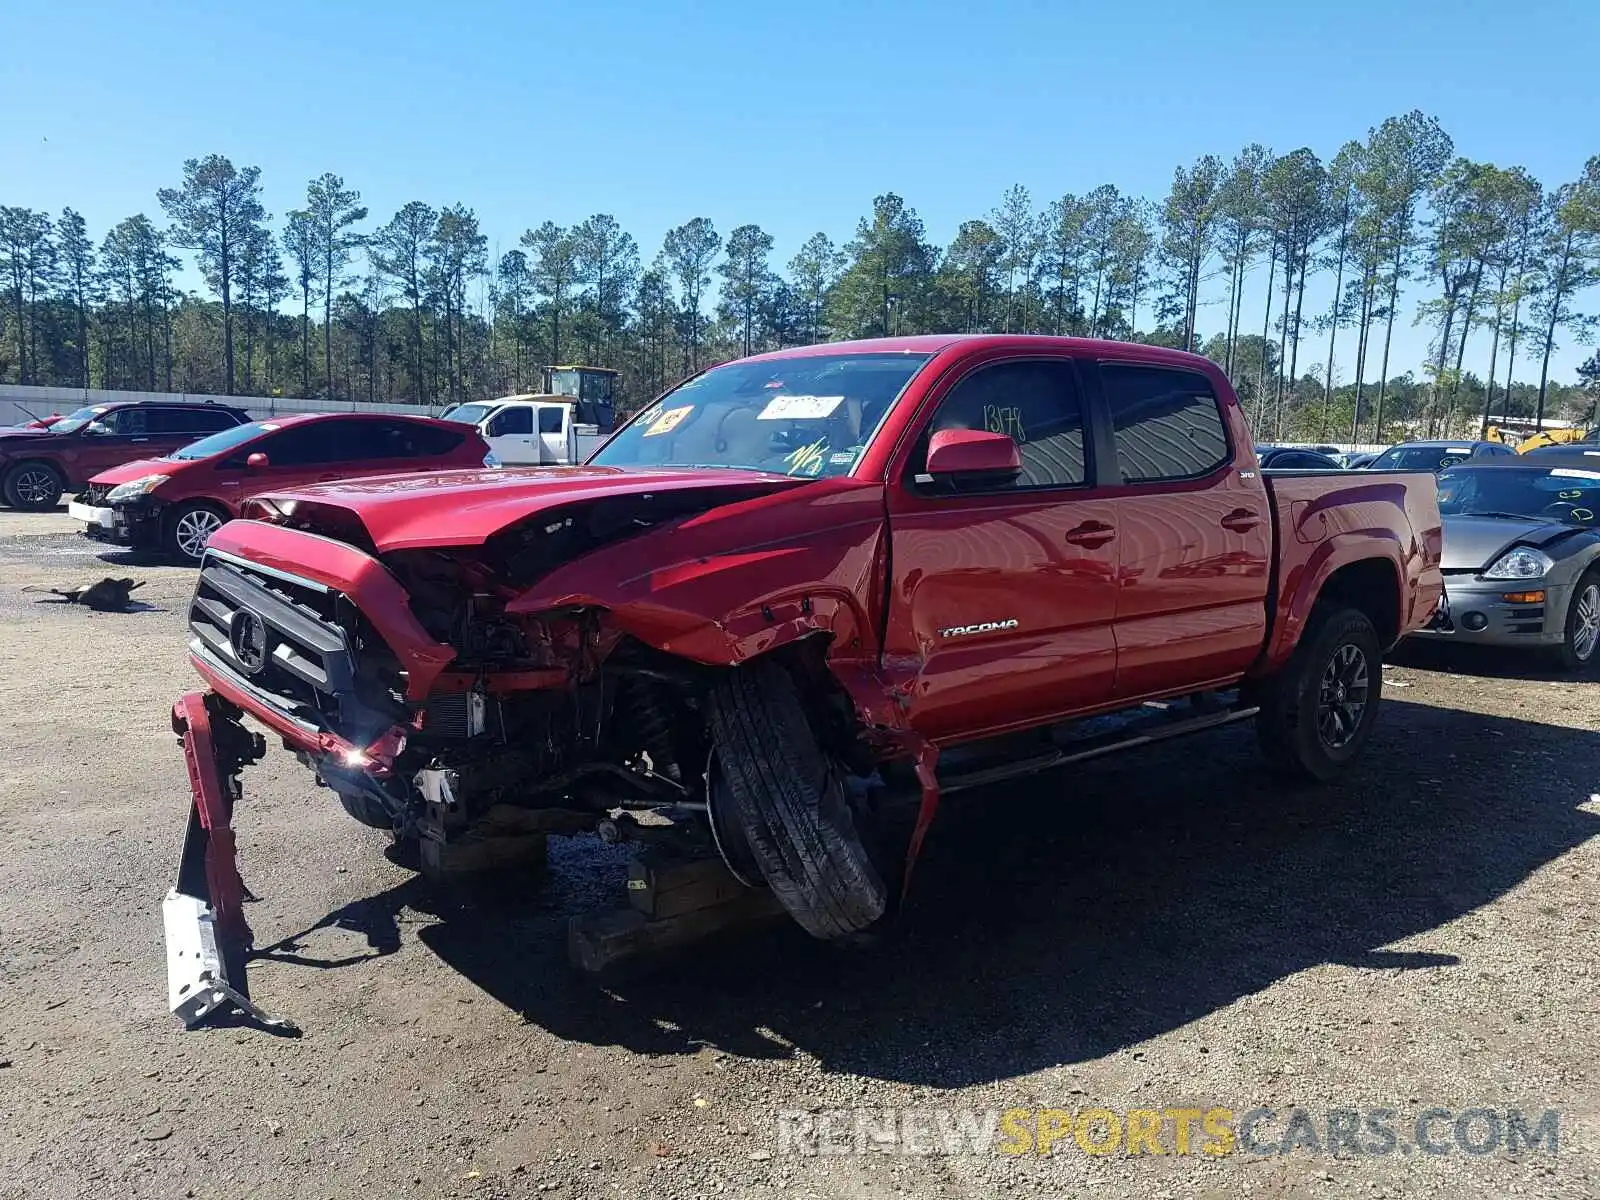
(34,486)
(789,799)
(1317,712)
(1581,633)
(188,528)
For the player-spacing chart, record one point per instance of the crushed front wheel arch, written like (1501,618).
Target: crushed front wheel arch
(789,797)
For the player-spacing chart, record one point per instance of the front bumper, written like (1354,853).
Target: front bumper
(207,936)
(136,525)
(1478,611)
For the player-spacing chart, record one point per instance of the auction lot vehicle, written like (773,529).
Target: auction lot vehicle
(1294,458)
(796,599)
(1436,456)
(174,504)
(37,466)
(564,424)
(1522,555)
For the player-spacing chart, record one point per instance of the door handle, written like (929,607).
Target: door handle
(1240,520)
(1091,534)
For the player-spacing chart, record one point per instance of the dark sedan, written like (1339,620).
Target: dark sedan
(1294,458)
(1437,455)
(1522,556)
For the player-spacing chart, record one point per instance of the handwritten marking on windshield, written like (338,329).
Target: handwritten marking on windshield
(807,460)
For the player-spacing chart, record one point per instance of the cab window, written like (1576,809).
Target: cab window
(515,420)
(1167,423)
(1037,403)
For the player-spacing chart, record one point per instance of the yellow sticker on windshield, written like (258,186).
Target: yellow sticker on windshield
(667,420)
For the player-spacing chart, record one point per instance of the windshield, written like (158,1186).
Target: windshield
(1421,458)
(467,414)
(226,440)
(811,416)
(75,421)
(1563,494)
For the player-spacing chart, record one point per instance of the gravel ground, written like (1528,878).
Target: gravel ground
(1171,929)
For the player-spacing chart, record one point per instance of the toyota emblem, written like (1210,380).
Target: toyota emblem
(248,637)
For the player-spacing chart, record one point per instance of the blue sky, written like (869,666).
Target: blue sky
(792,117)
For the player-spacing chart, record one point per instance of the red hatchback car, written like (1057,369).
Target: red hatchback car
(174,504)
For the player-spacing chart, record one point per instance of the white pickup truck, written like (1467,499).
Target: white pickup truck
(565,423)
(530,430)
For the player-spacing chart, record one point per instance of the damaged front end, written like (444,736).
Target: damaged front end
(552,678)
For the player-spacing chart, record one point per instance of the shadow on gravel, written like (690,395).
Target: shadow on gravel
(1486,662)
(1067,920)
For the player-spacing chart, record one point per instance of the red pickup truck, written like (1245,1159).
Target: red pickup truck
(792,589)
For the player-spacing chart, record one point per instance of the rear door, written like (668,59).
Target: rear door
(391,445)
(510,434)
(171,427)
(1194,530)
(1004,595)
(555,433)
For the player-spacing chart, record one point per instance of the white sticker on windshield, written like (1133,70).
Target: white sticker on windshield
(1571,473)
(799,408)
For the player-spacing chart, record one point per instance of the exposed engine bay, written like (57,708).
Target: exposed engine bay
(558,714)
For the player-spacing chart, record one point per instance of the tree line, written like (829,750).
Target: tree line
(330,302)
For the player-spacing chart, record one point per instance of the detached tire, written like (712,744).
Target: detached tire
(1317,712)
(789,798)
(33,486)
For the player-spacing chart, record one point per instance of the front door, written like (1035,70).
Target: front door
(116,437)
(511,436)
(1002,597)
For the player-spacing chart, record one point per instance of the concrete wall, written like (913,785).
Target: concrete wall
(17,402)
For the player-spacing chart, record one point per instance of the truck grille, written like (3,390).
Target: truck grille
(274,633)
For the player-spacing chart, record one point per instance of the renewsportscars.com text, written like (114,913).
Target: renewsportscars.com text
(1213,1132)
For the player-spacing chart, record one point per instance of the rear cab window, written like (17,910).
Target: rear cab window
(1167,423)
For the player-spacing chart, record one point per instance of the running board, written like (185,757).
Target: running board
(1092,748)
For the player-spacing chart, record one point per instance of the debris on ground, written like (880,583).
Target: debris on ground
(106,595)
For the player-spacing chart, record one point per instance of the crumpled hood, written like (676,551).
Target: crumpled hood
(12,438)
(1471,543)
(466,508)
(137,469)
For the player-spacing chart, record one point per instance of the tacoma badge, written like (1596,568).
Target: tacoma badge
(982,627)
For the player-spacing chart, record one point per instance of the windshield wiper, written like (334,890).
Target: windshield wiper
(1511,516)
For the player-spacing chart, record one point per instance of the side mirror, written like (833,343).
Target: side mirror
(972,453)
(257,462)
(97,429)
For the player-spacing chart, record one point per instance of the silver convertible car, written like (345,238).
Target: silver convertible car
(1522,556)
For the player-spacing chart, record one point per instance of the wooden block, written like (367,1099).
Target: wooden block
(600,941)
(661,885)
(479,851)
